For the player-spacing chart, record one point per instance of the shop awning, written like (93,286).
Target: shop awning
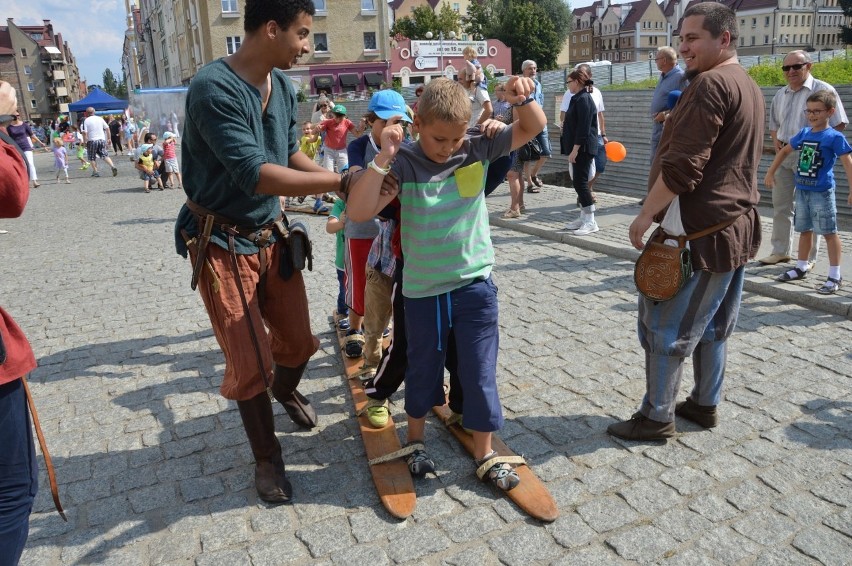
(349,79)
(374,79)
(323,81)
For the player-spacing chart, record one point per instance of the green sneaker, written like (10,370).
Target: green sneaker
(378,412)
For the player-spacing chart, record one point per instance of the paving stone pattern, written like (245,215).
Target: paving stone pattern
(153,465)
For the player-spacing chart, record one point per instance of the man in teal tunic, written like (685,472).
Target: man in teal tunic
(240,152)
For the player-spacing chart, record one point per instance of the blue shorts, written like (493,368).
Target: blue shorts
(544,139)
(816,212)
(472,314)
(600,158)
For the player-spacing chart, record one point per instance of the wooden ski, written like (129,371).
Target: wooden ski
(392,479)
(530,495)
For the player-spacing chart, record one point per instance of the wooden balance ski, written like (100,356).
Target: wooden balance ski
(392,479)
(530,495)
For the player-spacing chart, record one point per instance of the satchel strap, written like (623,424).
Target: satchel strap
(711,229)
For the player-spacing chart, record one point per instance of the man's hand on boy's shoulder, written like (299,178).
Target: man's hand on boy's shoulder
(491,127)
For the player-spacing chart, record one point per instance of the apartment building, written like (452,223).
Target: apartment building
(630,32)
(41,67)
(351,44)
(177,37)
(769,27)
(579,47)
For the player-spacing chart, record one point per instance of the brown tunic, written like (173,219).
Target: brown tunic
(709,154)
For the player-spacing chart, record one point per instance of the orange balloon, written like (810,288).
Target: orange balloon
(615,151)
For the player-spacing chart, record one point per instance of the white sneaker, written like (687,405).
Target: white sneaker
(587,228)
(575,224)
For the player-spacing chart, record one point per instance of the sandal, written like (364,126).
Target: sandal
(343,323)
(533,189)
(830,287)
(797,274)
(511,214)
(354,345)
(537,181)
(419,462)
(498,471)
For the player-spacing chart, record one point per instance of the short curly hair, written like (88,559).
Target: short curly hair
(283,12)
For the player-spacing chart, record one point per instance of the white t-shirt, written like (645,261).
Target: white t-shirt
(597,98)
(95,127)
(478,98)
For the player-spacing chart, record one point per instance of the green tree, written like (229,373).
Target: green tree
(527,28)
(846,31)
(482,20)
(110,83)
(423,20)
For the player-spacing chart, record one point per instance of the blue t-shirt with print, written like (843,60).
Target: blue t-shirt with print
(818,152)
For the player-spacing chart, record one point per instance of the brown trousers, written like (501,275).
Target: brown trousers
(281,321)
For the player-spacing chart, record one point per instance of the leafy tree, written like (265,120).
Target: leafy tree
(483,19)
(527,28)
(423,20)
(110,83)
(846,31)
(534,29)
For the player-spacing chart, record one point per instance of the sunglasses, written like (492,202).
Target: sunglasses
(796,67)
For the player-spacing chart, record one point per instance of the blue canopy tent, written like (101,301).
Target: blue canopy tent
(99,100)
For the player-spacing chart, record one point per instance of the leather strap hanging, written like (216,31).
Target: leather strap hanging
(51,474)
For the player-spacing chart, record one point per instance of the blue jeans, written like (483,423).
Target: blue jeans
(697,322)
(341,293)
(816,212)
(18,472)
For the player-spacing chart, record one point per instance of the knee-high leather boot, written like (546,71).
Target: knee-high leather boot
(284,384)
(269,476)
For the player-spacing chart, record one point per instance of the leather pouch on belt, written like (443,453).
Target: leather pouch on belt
(300,246)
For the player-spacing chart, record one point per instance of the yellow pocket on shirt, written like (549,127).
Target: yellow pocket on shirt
(470,179)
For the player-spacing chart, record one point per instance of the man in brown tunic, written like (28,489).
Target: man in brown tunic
(708,158)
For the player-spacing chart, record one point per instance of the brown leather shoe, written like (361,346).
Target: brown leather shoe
(701,415)
(640,427)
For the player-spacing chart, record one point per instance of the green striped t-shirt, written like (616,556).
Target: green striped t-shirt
(446,240)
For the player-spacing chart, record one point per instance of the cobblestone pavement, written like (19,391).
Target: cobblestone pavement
(154,467)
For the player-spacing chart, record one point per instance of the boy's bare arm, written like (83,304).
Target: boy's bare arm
(529,117)
(335,225)
(846,161)
(366,195)
(769,180)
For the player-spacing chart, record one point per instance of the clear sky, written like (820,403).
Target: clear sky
(94,29)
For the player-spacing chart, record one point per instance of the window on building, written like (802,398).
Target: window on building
(320,42)
(754,22)
(370,41)
(28,70)
(765,40)
(796,20)
(37,36)
(574,39)
(752,40)
(320,6)
(23,51)
(232,43)
(31,87)
(766,21)
(33,104)
(456,7)
(368,5)
(229,6)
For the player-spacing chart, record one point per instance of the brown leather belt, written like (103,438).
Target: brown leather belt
(261,236)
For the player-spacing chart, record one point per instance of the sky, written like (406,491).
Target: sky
(94,29)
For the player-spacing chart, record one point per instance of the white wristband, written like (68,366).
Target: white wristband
(375,167)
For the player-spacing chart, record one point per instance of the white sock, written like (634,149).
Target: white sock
(834,272)
(802,264)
